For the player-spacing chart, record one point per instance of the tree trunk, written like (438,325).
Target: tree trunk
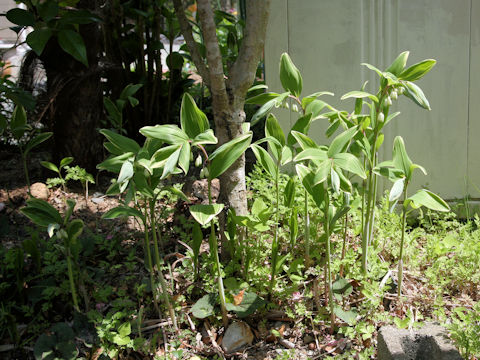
(75,94)
(228,95)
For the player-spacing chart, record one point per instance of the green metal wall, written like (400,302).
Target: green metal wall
(329,39)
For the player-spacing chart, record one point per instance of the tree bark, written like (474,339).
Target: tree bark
(228,94)
(75,94)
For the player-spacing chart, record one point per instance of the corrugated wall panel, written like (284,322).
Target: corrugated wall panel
(329,39)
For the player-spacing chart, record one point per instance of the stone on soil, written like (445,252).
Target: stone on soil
(429,342)
(237,335)
(39,191)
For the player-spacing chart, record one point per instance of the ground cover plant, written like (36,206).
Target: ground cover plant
(311,272)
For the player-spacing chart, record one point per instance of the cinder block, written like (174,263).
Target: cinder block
(428,343)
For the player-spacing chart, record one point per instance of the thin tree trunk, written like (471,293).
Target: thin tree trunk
(228,96)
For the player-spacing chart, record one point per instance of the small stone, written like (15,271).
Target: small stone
(307,339)
(39,191)
(200,189)
(2,206)
(97,200)
(237,335)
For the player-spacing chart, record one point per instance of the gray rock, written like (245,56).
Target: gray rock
(429,342)
(98,200)
(39,191)
(237,335)
(307,339)
(199,189)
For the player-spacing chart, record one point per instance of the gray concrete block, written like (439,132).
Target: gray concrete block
(428,343)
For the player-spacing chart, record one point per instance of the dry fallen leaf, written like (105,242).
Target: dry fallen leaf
(237,299)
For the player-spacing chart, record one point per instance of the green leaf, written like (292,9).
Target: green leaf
(388,170)
(398,64)
(359,95)
(259,207)
(306,176)
(416,94)
(273,129)
(50,166)
(171,134)
(286,155)
(123,143)
(176,192)
(171,163)
(205,138)
(72,43)
(114,113)
(121,340)
(341,287)
(257,87)
(184,158)
(227,154)
(348,316)
(70,207)
(267,107)
(373,68)
(400,157)
(416,166)
(197,238)
(123,211)
(76,17)
(20,17)
(265,160)
(261,99)
(379,141)
(205,306)
(430,200)
(290,76)
(250,303)
(314,108)
(332,128)
(322,172)
(397,189)
(350,163)
(74,229)
(175,61)
(37,140)
(21,97)
(311,154)
(289,194)
(48,10)
(41,213)
(193,121)
(18,124)
(114,164)
(303,140)
(302,125)
(418,70)
(335,180)
(66,161)
(203,214)
(126,172)
(345,184)
(38,38)
(307,100)
(130,90)
(340,143)
(125,329)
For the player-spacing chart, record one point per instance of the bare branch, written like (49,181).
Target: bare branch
(191,44)
(242,72)
(214,57)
